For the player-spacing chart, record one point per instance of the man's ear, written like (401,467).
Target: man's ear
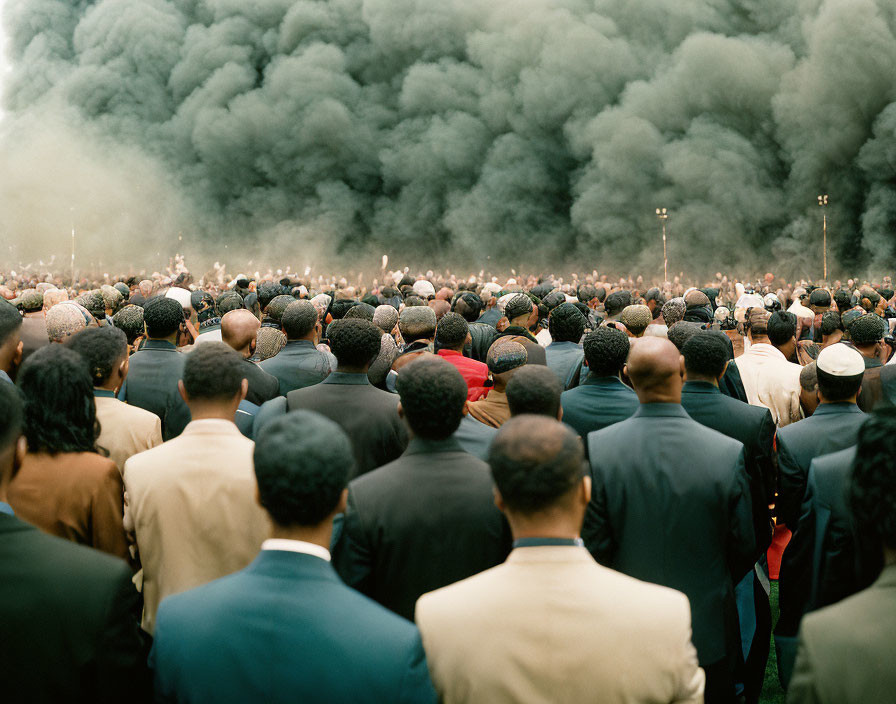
(343,501)
(253,343)
(182,390)
(19,455)
(725,368)
(466,409)
(244,388)
(681,365)
(499,500)
(17,357)
(401,410)
(586,489)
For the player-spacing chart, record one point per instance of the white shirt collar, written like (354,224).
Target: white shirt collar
(296,546)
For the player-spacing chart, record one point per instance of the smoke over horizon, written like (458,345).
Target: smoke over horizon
(521,130)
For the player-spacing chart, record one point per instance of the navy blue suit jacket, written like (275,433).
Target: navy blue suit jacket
(285,629)
(151,384)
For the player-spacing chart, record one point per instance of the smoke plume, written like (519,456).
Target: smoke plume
(521,130)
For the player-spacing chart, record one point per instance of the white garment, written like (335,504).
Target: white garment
(772,382)
(296,546)
(544,337)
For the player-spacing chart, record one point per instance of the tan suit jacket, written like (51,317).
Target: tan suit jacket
(847,651)
(192,505)
(551,625)
(126,430)
(73,495)
(491,410)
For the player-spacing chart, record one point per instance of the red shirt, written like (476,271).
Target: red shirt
(474,373)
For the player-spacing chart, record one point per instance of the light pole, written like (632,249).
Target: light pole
(73,246)
(823,204)
(663,215)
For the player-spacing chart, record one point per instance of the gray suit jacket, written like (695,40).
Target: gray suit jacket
(670,504)
(846,650)
(297,365)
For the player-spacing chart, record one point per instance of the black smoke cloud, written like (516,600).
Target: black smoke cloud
(527,130)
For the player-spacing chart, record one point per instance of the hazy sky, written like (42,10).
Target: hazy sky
(4,64)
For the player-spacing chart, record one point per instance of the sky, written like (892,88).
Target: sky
(4,63)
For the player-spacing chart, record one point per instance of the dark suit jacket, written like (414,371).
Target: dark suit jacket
(490,317)
(151,384)
(565,359)
(670,504)
(68,622)
(754,428)
(475,437)
(424,521)
(262,386)
(878,387)
(368,415)
(832,427)
(285,629)
(597,402)
(525,338)
(826,559)
(482,335)
(297,365)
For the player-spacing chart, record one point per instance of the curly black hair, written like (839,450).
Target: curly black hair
(872,490)
(705,354)
(10,415)
(469,305)
(277,306)
(299,319)
(60,412)
(267,291)
(129,320)
(535,461)
(452,331)
(681,332)
(102,348)
(781,327)
(360,310)
(617,301)
(228,301)
(162,317)
(566,324)
(341,306)
(354,342)
(868,329)
(433,395)
(213,372)
(302,463)
(534,389)
(830,321)
(606,350)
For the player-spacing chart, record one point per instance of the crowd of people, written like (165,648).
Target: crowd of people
(425,487)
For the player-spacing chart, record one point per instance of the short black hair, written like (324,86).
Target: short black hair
(267,291)
(838,388)
(606,350)
(469,305)
(354,342)
(452,331)
(10,320)
(781,327)
(162,316)
(302,464)
(617,301)
(228,301)
(867,329)
(341,306)
(535,461)
(102,349)
(129,319)
(586,293)
(433,395)
(10,415)
(534,389)
(705,354)
(843,299)
(566,323)
(298,319)
(60,411)
(213,372)
(361,310)
(655,294)
(872,490)
(830,321)
(681,332)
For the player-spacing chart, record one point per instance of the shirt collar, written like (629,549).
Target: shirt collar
(158,345)
(338,377)
(450,353)
(103,393)
(285,545)
(548,542)
(660,410)
(211,425)
(419,445)
(700,387)
(5,377)
(6,508)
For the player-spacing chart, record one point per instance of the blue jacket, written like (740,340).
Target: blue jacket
(565,358)
(597,402)
(285,629)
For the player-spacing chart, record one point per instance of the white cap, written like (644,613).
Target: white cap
(424,288)
(181,295)
(505,299)
(840,360)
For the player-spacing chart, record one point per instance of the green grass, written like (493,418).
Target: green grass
(771,688)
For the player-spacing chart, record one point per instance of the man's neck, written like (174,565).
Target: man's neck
(555,527)
(211,411)
(317,535)
(345,369)
(854,399)
(705,379)
(34,314)
(171,338)
(869,351)
(651,397)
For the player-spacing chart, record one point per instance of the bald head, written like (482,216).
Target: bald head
(239,329)
(655,368)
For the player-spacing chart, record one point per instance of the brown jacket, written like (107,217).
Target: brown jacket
(74,495)
(492,410)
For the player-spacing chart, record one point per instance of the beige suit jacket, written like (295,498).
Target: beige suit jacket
(771,382)
(192,505)
(551,625)
(126,430)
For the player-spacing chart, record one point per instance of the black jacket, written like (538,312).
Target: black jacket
(368,415)
(262,386)
(424,521)
(151,384)
(69,620)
